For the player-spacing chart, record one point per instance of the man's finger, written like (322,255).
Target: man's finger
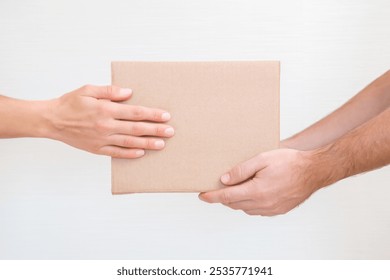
(262,212)
(227,195)
(244,205)
(243,171)
(112,93)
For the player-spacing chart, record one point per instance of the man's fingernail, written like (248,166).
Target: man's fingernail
(159,144)
(225,178)
(165,116)
(169,131)
(125,91)
(140,152)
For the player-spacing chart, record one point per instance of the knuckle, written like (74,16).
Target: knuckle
(105,108)
(96,148)
(149,143)
(116,153)
(155,115)
(101,127)
(225,197)
(102,150)
(237,172)
(109,90)
(138,112)
(87,88)
(252,190)
(128,142)
(136,129)
(122,153)
(157,130)
(99,151)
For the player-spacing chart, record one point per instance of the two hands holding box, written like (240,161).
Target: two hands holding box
(353,139)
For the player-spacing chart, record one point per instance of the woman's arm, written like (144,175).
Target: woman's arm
(88,119)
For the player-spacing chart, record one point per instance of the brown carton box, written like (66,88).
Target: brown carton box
(223,113)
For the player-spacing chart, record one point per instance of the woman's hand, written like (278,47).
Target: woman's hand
(88,119)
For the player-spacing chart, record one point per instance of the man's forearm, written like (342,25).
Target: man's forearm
(368,103)
(362,149)
(21,118)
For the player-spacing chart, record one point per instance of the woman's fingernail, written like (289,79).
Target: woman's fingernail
(169,131)
(125,91)
(159,144)
(165,116)
(140,152)
(225,178)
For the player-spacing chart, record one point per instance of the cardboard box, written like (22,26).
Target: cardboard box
(223,113)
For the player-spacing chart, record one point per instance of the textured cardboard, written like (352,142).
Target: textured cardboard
(223,113)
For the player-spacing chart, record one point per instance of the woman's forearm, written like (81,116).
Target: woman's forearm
(368,103)
(22,118)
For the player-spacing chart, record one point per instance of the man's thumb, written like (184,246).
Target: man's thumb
(242,171)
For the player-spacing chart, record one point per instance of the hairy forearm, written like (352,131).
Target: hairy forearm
(22,118)
(368,103)
(362,149)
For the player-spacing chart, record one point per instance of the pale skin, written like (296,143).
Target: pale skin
(353,139)
(89,118)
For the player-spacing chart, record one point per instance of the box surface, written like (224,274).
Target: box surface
(223,113)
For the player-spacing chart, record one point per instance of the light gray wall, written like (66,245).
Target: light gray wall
(55,201)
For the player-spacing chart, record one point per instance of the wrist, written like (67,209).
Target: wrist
(294,142)
(325,167)
(46,128)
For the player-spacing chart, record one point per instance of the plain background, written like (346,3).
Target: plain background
(55,201)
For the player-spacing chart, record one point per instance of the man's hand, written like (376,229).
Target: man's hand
(353,139)
(88,119)
(268,184)
(275,182)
